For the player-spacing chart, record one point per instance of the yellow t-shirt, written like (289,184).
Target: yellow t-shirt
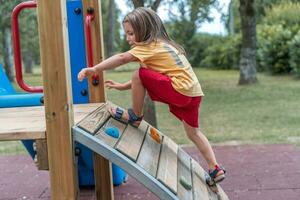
(164,58)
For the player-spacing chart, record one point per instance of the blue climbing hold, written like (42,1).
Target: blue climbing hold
(113,132)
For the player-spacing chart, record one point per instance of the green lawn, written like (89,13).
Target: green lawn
(267,112)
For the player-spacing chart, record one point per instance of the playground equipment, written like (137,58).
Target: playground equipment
(78,60)
(59,125)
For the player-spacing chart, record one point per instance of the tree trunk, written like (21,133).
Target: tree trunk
(150,111)
(111,28)
(231,18)
(7,53)
(138,3)
(28,63)
(248,51)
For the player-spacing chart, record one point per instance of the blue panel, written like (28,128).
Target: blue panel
(5,85)
(77,50)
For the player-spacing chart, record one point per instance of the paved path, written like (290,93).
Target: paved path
(255,172)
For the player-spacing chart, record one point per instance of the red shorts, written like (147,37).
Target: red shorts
(160,89)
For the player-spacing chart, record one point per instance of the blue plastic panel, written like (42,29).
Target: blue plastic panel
(77,49)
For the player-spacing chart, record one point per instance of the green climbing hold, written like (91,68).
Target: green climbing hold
(185,183)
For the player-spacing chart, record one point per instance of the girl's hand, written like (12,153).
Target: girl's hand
(110,84)
(86,72)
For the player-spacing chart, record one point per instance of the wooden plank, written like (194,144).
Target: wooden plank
(55,62)
(184,174)
(149,155)
(95,120)
(167,167)
(103,171)
(96,92)
(200,189)
(42,154)
(103,186)
(137,172)
(131,141)
(23,123)
(111,141)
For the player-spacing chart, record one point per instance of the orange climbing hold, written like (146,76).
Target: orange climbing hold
(154,134)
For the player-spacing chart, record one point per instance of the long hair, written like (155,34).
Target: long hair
(148,27)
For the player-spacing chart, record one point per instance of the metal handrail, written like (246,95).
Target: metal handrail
(17,46)
(88,20)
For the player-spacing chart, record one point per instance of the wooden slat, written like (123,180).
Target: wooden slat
(23,123)
(200,190)
(184,172)
(167,167)
(132,140)
(149,155)
(95,120)
(111,141)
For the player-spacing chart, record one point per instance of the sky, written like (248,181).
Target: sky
(214,27)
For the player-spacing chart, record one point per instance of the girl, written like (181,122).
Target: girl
(164,73)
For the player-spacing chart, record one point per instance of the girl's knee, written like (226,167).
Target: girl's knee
(192,134)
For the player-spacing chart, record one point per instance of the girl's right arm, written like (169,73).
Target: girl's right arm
(109,63)
(110,84)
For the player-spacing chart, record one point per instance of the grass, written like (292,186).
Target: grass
(266,112)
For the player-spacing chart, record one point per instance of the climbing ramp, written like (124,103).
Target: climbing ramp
(156,162)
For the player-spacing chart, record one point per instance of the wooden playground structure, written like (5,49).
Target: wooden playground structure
(58,124)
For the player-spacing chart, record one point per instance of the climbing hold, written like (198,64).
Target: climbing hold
(154,134)
(185,183)
(113,132)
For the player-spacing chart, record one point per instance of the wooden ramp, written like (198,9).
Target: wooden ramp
(163,167)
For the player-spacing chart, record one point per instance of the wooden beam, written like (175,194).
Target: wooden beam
(102,167)
(55,62)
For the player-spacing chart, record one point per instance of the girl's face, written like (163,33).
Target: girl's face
(130,36)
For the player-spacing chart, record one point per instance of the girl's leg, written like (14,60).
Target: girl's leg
(199,139)
(137,94)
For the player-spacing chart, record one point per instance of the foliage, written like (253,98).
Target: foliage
(5,21)
(199,43)
(294,51)
(105,16)
(224,53)
(286,14)
(273,50)
(262,8)
(281,23)
(184,22)
(29,35)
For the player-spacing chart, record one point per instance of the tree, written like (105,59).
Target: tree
(5,29)
(141,3)
(111,28)
(248,51)
(189,15)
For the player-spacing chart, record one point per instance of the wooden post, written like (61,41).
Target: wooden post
(54,50)
(102,167)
